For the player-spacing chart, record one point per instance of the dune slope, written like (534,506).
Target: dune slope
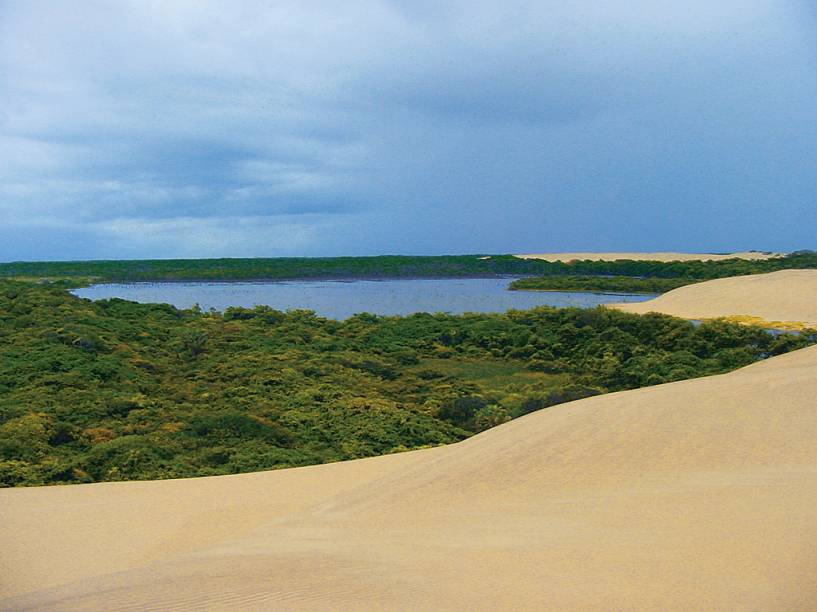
(785,296)
(658,256)
(700,494)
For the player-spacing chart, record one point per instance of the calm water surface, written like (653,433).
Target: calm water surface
(341,299)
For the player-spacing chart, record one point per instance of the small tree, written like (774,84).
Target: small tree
(194,343)
(491,416)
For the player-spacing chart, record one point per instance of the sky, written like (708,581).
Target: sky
(156,129)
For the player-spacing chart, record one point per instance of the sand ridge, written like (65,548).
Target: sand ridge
(698,494)
(787,296)
(664,256)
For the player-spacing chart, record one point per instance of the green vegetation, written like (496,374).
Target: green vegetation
(617,284)
(275,268)
(388,267)
(114,390)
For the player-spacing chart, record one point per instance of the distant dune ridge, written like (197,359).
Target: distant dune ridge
(699,494)
(661,256)
(787,296)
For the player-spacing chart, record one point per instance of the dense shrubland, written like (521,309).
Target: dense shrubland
(114,390)
(617,284)
(389,266)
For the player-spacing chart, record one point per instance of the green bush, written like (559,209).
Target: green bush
(461,410)
(490,416)
(232,424)
(568,393)
(127,458)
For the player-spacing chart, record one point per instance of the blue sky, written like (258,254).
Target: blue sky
(198,129)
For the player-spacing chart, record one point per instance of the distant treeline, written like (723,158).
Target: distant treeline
(115,390)
(619,284)
(389,266)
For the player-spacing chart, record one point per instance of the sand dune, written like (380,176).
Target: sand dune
(788,296)
(694,495)
(662,256)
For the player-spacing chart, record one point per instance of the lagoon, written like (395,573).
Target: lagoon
(338,299)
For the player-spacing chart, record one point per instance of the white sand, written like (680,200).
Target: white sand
(663,256)
(788,296)
(694,495)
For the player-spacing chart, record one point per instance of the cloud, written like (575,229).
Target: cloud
(152,129)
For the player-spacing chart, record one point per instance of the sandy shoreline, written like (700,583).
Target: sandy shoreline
(664,256)
(700,494)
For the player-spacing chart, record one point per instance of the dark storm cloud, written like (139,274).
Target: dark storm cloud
(139,129)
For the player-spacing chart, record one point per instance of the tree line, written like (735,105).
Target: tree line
(389,266)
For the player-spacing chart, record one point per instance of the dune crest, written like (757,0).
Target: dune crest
(788,297)
(696,494)
(664,256)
